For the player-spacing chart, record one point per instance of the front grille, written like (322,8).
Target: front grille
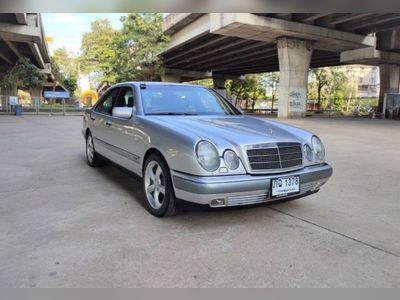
(275,156)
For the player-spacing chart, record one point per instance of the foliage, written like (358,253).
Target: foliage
(320,80)
(204,82)
(337,88)
(24,75)
(270,82)
(247,88)
(332,88)
(98,51)
(137,47)
(65,68)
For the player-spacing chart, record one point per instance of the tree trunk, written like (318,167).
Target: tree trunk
(237,96)
(272,104)
(253,104)
(348,101)
(319,97)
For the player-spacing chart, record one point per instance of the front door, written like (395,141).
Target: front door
(123,132)
(100,122)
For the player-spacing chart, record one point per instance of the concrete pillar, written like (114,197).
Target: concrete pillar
(36,95)
(294,60)
(171,78)
(389,75)
(219,86)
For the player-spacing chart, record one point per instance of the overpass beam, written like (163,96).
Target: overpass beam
(389,75)
(294,60)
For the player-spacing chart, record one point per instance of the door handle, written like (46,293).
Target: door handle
(92,118)
(108,123)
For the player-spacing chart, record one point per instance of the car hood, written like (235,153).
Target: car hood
(236,130)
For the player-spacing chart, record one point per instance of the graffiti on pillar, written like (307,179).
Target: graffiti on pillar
(297,101)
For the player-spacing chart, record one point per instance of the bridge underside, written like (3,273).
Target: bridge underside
(235,56)
(224,45)
(22,36)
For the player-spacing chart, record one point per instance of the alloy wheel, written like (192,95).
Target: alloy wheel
(154,183)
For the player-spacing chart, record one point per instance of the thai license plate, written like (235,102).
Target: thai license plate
(284,186)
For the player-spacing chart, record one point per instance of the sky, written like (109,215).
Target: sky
(67,29)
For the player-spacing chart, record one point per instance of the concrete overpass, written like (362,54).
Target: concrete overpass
(225,45)
(22,35)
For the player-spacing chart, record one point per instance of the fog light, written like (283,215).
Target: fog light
(217,202)
(316,186)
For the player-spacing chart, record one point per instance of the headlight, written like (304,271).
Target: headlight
(231,160)
(308,153)
(318,147)
(207,156)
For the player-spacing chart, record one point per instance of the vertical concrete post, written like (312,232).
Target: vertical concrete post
(171,78)
(294,60)
(389,76)
(219,86)
(36,95)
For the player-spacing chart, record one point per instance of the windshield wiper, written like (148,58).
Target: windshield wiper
(171,114)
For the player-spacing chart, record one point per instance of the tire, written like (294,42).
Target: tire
(93,159)
(158,188)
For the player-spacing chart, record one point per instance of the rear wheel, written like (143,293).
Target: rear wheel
(157,184)
(93,159)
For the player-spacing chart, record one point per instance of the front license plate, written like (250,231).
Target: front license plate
(284,186)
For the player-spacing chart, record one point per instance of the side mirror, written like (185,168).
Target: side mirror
(122,112)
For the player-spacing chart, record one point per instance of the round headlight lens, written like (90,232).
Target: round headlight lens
(318,147)
(231,160)
(308,152)
(207,156)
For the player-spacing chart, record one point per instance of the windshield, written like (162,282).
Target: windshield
(184,100)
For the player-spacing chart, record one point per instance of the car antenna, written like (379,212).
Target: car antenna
(142,86)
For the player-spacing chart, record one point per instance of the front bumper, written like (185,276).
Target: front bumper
(244,189)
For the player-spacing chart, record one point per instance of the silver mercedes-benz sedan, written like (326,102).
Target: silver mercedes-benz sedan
(189,143)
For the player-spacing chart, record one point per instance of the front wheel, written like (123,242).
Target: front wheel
(157,184)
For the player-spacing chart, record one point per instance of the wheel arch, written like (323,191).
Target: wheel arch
(87,132)
(151,151)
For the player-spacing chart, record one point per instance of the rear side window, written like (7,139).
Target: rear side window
(106,104)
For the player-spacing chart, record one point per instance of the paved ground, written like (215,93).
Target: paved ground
(63,224)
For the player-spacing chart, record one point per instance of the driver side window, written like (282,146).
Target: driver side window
(106,105)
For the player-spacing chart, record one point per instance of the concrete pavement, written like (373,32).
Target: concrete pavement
(64,224)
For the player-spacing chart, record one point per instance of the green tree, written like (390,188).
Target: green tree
(270,82)
(248,88)
(337,87)
(24,75)
(351,91)
(137,47)
(65,68)
(98,51)
(320,80)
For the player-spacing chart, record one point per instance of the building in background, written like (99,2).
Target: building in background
(366,79)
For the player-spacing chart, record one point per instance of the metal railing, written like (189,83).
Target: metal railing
(42,106)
